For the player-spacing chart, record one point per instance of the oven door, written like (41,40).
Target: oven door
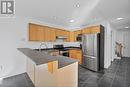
(65,53)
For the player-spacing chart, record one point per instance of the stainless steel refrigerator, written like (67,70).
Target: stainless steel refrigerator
(91,47)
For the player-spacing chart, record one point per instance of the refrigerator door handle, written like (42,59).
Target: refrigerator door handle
(90,56)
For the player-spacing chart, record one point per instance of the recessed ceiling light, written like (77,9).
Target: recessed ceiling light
(119,18)
(72,21)
(55,17)
(77,5)
(127,27)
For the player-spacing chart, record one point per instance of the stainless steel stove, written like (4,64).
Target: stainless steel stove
(62,50)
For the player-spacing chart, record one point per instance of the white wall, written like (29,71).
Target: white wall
(121,36)
(108,54)
(12,30)
(113,44)
(13,35)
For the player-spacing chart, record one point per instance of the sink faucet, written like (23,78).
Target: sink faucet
(42,43)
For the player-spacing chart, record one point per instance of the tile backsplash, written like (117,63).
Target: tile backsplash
(36,45)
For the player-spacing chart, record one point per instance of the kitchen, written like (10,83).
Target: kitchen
(44,33)
(71,45)
(71,53)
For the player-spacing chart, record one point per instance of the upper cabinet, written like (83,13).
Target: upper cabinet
(41,33)
(91,30)
(45,33)
(52,35)
(86,31)
(95,29)
(74,34)
(36,33)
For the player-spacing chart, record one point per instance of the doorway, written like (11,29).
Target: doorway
(126,44)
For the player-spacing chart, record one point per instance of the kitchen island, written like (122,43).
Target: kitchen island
(50,71)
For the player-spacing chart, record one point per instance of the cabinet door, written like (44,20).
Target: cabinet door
(72,54)
(68,36)
(71,36)
(52,35)
(32,32)
(40,33)
(79,56)
(59,32)
(95,29)
(66,33)
(86,31)
(76,33)
(47,34)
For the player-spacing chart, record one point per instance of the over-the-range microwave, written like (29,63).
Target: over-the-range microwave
(79,37)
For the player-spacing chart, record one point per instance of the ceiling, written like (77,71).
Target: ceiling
(76,13)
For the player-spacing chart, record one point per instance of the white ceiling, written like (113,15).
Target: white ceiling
(60,12)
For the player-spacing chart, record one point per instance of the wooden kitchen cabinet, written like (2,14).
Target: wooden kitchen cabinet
(32,32)
(52,35)
(63,33)
(47,34)
(68,36)
(95,29)
(91,30)
(77,54)
(40,33)
(71,36)
(66,33)
(76,33)
(59,32)
(86,31)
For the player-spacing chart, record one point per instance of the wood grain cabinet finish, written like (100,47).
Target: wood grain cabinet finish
(40,33)
(48,34)
(45,33)
(95,29)
(76,54)
(91,30)
(76,33)
(32,32)
(71,36)
(86,31)
(60,32)
(52,35)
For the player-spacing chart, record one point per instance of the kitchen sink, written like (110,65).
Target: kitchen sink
(49,52)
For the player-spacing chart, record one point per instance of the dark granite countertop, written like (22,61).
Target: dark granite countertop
(67,48)
(40,57)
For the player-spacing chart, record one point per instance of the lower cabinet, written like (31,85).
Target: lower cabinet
(77,54)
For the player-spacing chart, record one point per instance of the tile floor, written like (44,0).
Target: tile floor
(117,75)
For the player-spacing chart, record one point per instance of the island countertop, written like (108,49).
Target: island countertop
(39,57)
